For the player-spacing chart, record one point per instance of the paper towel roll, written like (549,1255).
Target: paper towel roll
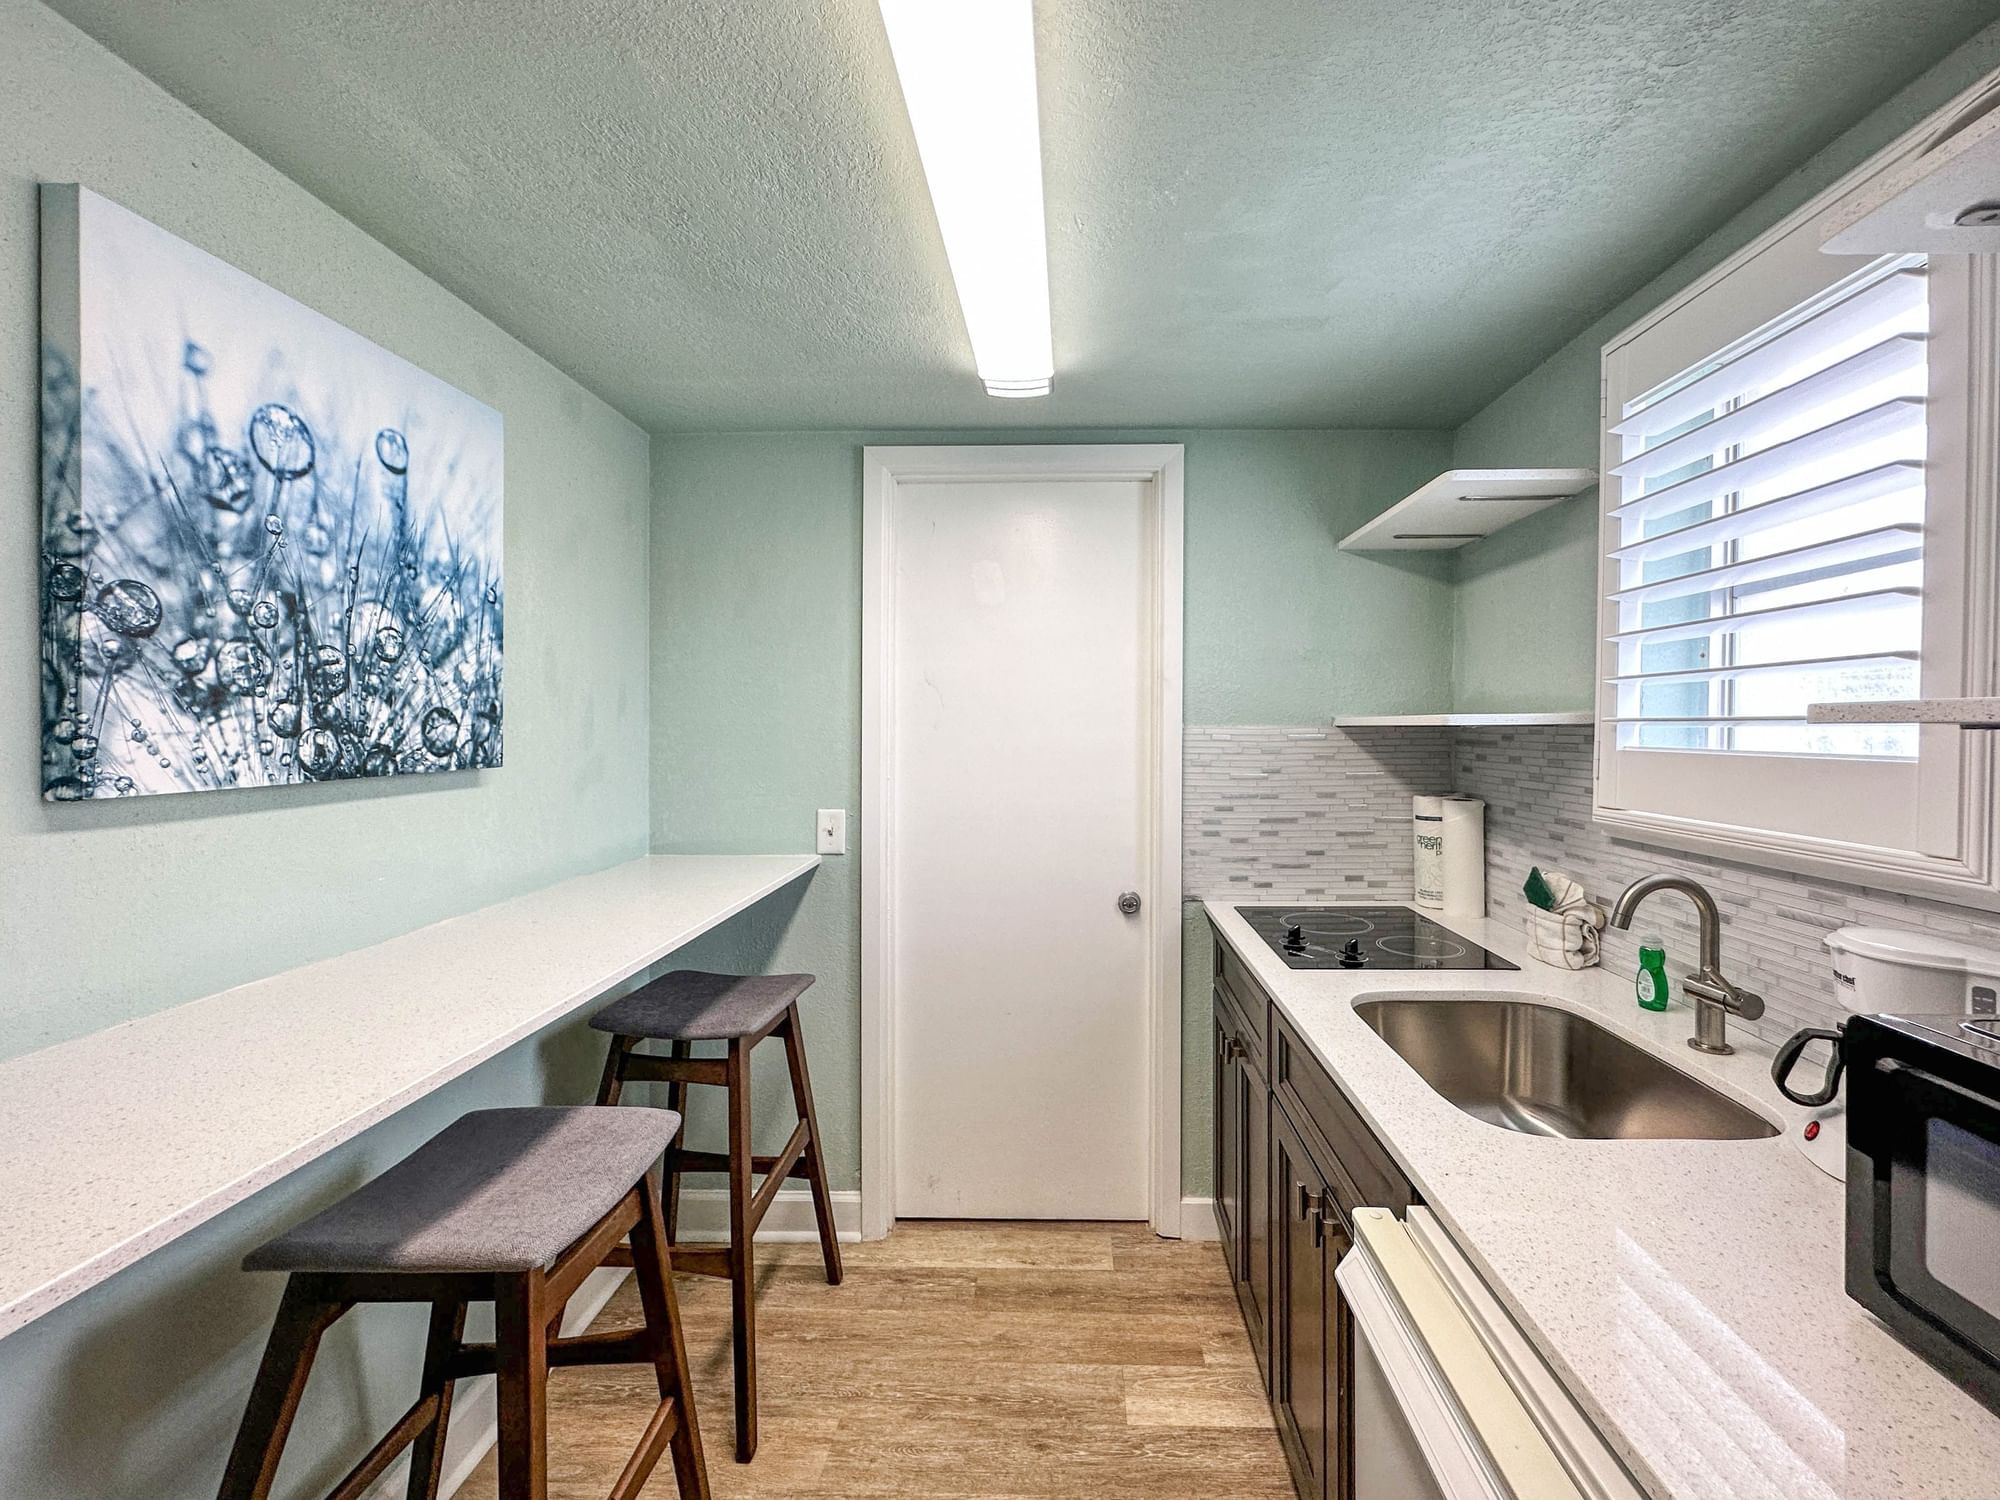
(1427,832)
(1463,857)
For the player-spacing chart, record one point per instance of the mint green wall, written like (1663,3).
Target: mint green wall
(1197,1038)
(108,911)
(756,662)
(756,649)
(1524,610)
(1282,627)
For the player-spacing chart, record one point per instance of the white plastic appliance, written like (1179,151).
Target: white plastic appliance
(1451,1402)
(1880,970)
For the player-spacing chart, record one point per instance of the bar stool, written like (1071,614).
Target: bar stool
(515,1206)
(685,1007)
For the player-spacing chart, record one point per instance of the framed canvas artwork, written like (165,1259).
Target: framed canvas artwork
(271,549)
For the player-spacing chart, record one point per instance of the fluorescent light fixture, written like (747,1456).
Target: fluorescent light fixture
(968,74)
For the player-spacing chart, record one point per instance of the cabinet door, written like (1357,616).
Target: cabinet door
(1256,1235)
(1228,1164)
(1301,1280)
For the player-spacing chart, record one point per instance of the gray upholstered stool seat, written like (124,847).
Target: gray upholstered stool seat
(498,1190)
(691,1006)
(516,1207)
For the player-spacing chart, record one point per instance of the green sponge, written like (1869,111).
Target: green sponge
(1537,890)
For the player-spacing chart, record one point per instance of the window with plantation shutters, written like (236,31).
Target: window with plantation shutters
(1768,546)
(1793,514)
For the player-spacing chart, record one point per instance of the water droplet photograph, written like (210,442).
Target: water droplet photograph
(271,549)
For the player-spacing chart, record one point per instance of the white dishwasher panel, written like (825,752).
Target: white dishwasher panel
(1389,1463)
(1450,1401)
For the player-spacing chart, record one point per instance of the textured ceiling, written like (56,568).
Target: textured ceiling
(1261,212)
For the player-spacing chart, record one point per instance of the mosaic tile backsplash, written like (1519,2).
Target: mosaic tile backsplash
(1281,811)
(1284,811)
(1536,786)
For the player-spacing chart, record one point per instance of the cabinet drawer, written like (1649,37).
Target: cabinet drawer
(1253,1006)
(1364,1172)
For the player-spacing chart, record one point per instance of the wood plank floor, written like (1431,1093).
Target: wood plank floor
(969,1361)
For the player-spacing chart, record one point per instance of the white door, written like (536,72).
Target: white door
(1018,764)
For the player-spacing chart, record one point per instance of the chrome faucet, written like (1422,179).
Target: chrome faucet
(1714,996)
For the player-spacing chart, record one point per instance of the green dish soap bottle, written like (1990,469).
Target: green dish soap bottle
(1651,983)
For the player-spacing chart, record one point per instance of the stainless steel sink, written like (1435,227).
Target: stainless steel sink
(1545,1071)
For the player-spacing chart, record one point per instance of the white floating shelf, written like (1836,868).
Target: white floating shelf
(1458,721)
(1967,713)
(1463,505)
(1937,200)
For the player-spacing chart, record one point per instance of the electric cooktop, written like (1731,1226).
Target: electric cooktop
(1365,937)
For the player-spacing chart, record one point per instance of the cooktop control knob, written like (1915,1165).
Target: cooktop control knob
(1295,938)
(1350,955)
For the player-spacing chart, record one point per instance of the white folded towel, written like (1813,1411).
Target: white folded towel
(1567,935)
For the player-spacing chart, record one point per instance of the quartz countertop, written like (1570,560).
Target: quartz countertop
(1689,1293)
(121,1141)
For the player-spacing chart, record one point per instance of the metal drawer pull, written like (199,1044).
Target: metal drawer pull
(1311,1209)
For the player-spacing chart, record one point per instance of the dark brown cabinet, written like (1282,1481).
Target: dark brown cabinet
(1229,1146)
(1304,1338)
(1255,1287)
(1242,1111)
(1293,1160)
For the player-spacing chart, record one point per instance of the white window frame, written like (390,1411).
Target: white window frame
(1729,806)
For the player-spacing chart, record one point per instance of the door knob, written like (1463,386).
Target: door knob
(1128,902)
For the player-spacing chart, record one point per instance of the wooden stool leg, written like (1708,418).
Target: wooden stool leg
(427,1453)
(742,1268)
(612,1084)
(677,1093)
(652,1267)
(521,1334)
(274,1398)
(815,1158)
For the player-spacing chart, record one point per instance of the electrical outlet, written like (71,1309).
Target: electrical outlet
(832,830)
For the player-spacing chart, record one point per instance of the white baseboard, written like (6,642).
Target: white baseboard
(475,1410)
(1198,1219)
(1191,1219)
(705,1216)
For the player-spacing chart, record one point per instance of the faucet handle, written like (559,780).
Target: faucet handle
(1710,986)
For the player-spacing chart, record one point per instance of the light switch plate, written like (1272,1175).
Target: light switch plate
(833,830)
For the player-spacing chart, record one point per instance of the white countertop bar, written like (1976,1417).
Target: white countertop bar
(121,1141)
(1688,1293)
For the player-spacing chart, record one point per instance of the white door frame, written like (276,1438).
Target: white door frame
(882,469)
